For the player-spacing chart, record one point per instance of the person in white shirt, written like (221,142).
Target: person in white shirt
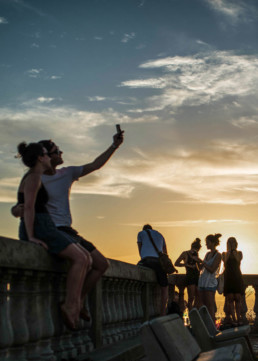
(58,184)
(149,259)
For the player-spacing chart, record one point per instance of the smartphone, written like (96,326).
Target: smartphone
(118,129)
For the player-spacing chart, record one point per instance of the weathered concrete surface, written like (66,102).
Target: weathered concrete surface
(33,281)
(27,255)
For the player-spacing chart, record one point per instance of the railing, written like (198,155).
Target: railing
(32,284)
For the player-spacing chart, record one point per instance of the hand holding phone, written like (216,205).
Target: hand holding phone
(118,137)
(118,129)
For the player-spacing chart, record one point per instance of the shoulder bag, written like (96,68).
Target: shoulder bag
(164,260)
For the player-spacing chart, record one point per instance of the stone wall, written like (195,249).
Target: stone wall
(32,284)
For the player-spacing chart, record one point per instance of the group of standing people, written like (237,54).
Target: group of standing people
(201,275)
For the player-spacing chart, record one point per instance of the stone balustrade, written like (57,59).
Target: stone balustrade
(32,285)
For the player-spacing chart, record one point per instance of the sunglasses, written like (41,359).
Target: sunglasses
(57,151)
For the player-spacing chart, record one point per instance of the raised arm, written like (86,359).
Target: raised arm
(104,157)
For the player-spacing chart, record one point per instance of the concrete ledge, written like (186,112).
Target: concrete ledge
(16,254)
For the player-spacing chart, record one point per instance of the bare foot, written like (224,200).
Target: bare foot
(68,318)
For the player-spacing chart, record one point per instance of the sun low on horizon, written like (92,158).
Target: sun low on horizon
(181,78)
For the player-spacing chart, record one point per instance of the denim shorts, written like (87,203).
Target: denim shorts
(46,231)
(77,238)
(212,289)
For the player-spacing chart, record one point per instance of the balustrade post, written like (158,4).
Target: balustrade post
(146,301)
(47,326)
(106,313)
(114,316)
(124,312)
(33,317)
(18,299)
(118,306)
(97,311)
(244,308)
(130,307)
(85,328)
(255,327)
(139,309)
(66,338)
(56,341)
(6,331)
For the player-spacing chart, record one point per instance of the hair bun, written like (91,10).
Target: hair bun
(218,235)
(22,148)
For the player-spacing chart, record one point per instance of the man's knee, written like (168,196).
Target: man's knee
(100,262)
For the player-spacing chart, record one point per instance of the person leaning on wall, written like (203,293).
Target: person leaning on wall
(149,259)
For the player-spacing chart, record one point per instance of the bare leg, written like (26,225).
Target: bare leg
(164,300)
(191,294)
(196,297)
(74,282)
(210,303)
(201,298)
(99,265)
(231,307)
(238,305)
(227,319)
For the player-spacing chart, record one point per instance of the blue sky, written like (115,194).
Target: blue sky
(181,76)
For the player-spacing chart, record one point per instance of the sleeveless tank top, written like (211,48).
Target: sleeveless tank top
(41,200)
(206,278)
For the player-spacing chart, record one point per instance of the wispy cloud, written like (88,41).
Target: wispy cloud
(3,20)
(41,73)
(128,37)
(45,100)
(234,10)
(145,83)
(245,122)
(34,73)
(55,77)
(96,98)
(199,79)
(215,171)
(193,223)
(98,38)
(24,5)
(34,45)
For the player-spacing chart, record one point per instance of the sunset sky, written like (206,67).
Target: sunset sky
(180,76)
